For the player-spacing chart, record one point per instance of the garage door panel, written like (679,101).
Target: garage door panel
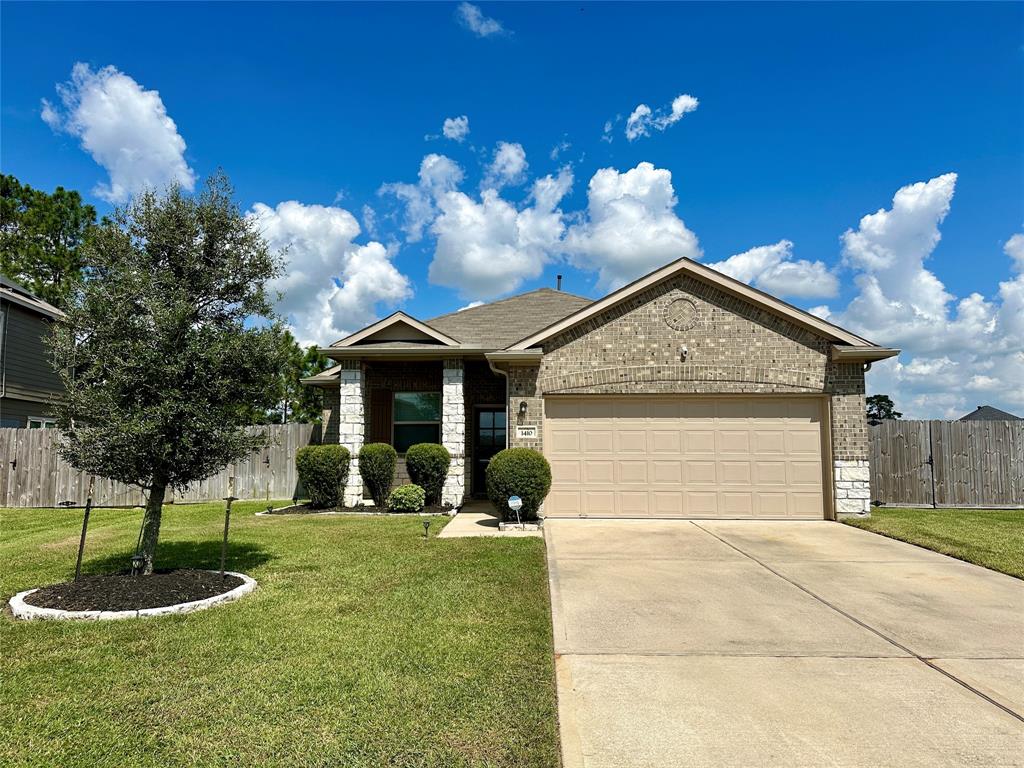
(662,456)
(631,441)
(701,473)
(805,473)
(598,441)
(700,441)
(667,472)
(599,503)
(734,473)
(632,472)
(634,504)
(562,441)
(565,471)
(665,441)
(733,441)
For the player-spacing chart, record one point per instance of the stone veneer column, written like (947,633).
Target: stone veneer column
(453,430)
(853,487)
(352,425)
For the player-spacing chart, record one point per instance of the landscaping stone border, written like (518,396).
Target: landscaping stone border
(23,610)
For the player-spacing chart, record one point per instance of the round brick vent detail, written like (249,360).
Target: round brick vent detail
(681,314)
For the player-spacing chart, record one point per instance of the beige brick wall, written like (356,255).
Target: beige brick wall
(733,347)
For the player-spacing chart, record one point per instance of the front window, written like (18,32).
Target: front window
(417,419)
(41,423)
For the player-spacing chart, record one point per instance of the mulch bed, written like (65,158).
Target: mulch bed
(124,592)
(305,509)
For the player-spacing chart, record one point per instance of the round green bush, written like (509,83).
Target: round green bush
(406,498)
(323,472)
(377,467)
(520,472)
(428,467)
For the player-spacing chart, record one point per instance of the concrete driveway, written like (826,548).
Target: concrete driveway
(736,643)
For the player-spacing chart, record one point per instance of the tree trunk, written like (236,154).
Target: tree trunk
(151,526)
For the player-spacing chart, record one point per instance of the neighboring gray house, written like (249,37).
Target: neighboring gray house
(28,382)
(988,413)
(684,394)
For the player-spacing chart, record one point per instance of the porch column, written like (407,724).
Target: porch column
(453,430)
(352,425)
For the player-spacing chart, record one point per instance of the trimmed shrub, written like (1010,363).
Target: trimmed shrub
(428,467)
(406,498)
(323,472)
(521,472)
(377,466)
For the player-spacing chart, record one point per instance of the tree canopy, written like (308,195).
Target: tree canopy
(881,407)
(42,238)
(170,342)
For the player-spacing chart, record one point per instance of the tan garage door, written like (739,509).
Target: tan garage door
(684,457)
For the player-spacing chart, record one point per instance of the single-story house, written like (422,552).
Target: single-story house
(683,394)
(989,413)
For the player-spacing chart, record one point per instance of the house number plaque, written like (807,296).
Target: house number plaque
(526,433)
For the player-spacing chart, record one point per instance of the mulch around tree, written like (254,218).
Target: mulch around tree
(124,592)
(305,509)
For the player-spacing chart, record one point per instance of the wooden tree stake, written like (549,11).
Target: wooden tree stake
(227,522)
(85,527)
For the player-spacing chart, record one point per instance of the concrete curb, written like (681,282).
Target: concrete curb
(22,610)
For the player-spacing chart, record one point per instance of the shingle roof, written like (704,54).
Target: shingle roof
(18,294)
(500,323)
(988,413)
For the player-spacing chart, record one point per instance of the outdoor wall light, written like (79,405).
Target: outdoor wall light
(684,352)
(522,407)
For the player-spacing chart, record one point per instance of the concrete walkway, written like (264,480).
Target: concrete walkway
(779,644)
(478,518)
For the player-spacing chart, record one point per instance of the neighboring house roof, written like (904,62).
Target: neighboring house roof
(988,413)
(726,283)
(18,294)
(500,323)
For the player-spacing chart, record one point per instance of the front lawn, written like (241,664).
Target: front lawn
(364,645)
(993,538)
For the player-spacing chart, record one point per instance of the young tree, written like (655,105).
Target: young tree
(42,237)
(169,340)
(881,407)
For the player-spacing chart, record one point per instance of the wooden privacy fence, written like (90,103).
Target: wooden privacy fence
(948,463)
(33,475)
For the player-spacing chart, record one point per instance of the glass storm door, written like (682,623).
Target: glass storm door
(488,439)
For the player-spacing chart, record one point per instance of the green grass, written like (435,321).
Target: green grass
(993,538)
(364,645)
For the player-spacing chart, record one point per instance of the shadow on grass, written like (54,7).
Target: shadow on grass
(186,554)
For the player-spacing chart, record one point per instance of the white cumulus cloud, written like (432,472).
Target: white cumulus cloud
(773,269)
(456,128)
(508,166)
(957,352)
(438,174)
(630,226)
(331,285)
(643,119)
(473,19)
(124,127)
(490,247)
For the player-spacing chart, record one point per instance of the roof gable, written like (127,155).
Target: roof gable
(700,272)
(398,327)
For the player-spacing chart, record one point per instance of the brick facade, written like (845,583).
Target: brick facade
(731,347)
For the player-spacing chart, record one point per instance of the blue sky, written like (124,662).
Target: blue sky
(808,118)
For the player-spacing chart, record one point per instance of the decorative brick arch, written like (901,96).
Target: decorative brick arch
(685,378)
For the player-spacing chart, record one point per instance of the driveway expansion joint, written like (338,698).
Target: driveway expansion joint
(927,662)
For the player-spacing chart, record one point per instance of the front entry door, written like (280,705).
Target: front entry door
(488,439)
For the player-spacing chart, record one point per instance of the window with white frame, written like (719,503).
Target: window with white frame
(416,418)
(41,422)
